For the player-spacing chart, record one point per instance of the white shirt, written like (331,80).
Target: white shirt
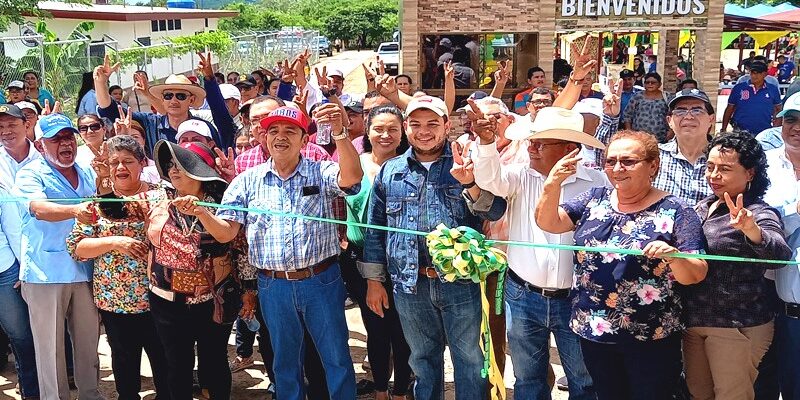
(84,156)
(9,166)
(783,194)
(522,186)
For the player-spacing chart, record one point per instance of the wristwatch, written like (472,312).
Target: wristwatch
(341,136)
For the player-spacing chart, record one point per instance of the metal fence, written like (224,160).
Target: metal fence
(61,64)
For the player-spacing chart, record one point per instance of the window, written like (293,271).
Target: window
(171,24)
(154,25)
(145,41)
(162,25)
(206,22)
(178,24)
(477,57)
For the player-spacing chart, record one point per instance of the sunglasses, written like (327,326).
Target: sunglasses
(682,112)
(85,128)
(545,103)
(651,82)
(180,96)
(624,162)
(170,165)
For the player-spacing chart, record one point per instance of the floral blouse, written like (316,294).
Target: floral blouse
(119,281)
(648,115)
(621,298)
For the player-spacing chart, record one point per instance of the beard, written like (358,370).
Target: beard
(434,151)
(54,160)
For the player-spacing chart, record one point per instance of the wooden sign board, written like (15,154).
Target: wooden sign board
(631,14)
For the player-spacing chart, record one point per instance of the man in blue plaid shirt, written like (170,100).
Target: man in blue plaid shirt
(300,284)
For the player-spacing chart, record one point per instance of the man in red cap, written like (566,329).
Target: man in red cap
(300,283)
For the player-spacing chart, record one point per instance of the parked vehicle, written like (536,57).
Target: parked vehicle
(323,46)
(389,52)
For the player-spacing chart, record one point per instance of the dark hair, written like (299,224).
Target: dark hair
(142,72)
(533,70)
(372,95)
(268,83)
(751,156)
(461,55)
(687,81)
(87,84)
(36,74)
(103,121)
(219,77)
(127,143)
(386,110)
(652,75)
(234,72)
(563,83)
(543,91)
(410,81)
(113,88)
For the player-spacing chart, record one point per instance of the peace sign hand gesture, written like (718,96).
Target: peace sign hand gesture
(564,168)
(582,62)
(122,126)
(289,72)
(449,71)
(55,110)
(205,66)
(100,161)
(503,74)
(225,167)
(140,84)
(386,86)
(103,72)
(463,169)
(484,127)
(611,102)
(741,218)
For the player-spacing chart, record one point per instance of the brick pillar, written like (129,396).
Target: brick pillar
(547,37)
(668,58)
(410,40)
(708,53)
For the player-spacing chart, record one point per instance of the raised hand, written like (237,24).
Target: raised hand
(582,61)
(205,65)
(741,218)
(463,169)
(301,100)
(503,74)
(140,84)
(381,66)
(612,102)
(322,78)
(369,71)
(449,71)
(103,72)
(289,73)
(386,86)
(484,127)
(565,167)
(46,110)
(100,160)
(225,167)
(331,113)
(122,125)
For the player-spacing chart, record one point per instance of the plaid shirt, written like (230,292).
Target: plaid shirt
(676,175)
(282,243)
(607,128)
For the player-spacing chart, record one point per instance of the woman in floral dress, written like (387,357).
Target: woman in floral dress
(625,307)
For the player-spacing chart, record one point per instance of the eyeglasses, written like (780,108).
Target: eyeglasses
(651,82)
(539,145)
(540,103)
(180,96)
(85,128)
(682,112)
(624,162)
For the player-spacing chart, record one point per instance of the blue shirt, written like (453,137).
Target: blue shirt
(45,258)
(754,108)
(88,104)
(406,195)
(45,94)
(10,224)
(282,243)
(783,194)
(770,138)
(2,98)
(785,71)
(626,97)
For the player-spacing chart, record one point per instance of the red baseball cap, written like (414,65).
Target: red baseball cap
(286,114)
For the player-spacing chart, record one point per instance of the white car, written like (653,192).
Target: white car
(389,52)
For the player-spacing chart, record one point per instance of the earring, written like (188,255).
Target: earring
(747,189)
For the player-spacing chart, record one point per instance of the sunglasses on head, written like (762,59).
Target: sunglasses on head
(180,96)
(85,128)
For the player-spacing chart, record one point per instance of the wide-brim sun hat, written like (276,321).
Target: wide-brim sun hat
(559,124)
(180,82)
(195,160)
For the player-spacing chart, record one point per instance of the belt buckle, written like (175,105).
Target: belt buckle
(795,314)
(286,274)
(549,293)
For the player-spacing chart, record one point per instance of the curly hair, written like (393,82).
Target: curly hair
(751,156)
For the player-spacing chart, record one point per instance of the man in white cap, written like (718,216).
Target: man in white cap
(16,91)
(55,286)
(426,186)
(539,280)
(31,113)
(16,150)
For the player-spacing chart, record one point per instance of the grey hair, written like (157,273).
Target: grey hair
(127,143)
(493,100)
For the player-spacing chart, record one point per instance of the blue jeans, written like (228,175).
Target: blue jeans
(316,304)
(530,319)
(787,345)
(443,313)
(16,323)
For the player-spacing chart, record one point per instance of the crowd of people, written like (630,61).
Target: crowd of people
(177,249)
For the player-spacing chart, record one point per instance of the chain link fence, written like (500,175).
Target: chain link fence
(61,64)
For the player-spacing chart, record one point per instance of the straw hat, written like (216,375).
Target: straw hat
(180,82)
(559,124)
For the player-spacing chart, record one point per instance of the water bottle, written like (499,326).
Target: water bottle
(324,131)
(252,324)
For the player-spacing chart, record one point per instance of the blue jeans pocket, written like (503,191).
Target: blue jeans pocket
(330,276)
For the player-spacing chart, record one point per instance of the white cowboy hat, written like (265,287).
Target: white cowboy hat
(180,82)
(556,123)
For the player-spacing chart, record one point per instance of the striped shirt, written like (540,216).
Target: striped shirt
(283,243)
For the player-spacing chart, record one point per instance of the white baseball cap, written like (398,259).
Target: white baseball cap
(230,92)
(432,103)
(791,104)
(591,106)
(26,105)
(193,125)
(16,84)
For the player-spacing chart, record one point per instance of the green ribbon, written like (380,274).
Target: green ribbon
(634,252)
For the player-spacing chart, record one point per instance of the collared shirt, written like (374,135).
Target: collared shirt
(625,98)
(45,258)
(282,243)
(407,195)
(515,153)
(783,194)
(676,175)
(10,245)
(608,126)
(9,166)
(258,155)
(755,107)
(734,294)
(771,138)
(522,186)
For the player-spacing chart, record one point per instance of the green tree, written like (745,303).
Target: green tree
(358,22)
(15,11)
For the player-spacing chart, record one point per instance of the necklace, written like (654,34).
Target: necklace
(140,189)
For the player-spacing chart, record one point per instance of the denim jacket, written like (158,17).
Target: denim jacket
(406,195)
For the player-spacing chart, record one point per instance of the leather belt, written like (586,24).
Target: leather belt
(301,274)
(792,310)
(549,293)
(428,272)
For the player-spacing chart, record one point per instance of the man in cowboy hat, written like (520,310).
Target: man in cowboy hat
(300,285)
(55,286)
(539,280)
(179,96)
